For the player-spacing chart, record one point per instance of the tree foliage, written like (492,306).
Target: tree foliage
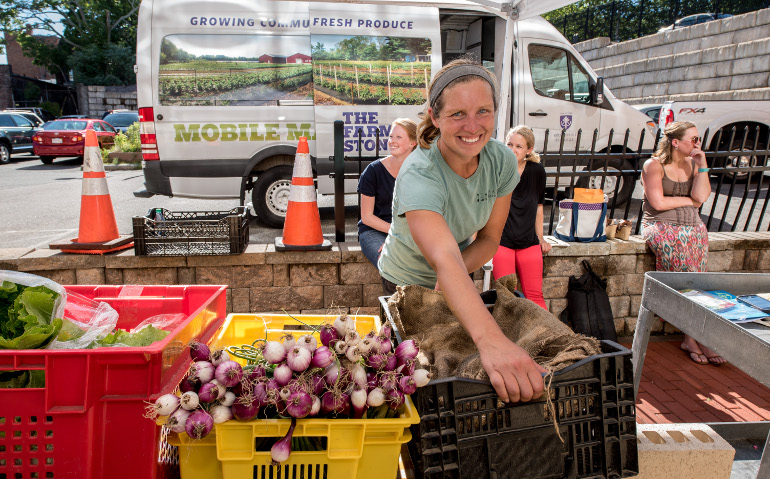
(82,28)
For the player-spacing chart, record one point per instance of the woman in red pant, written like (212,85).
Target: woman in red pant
(522,245)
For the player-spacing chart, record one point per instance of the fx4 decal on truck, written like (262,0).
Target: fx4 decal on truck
(691,111)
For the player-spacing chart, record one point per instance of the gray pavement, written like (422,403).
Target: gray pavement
(41,204)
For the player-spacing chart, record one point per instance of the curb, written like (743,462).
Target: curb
(123,166)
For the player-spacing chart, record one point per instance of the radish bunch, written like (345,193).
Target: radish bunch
(342,375)
(205,394)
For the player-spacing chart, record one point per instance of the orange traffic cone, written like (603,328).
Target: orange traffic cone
(302,227)
(98,231)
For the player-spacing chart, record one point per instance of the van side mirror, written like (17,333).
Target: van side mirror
(597,92)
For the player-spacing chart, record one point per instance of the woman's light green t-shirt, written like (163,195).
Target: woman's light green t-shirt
(426,182)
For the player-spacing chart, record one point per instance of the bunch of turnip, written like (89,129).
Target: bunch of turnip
(343,375)
(205,397)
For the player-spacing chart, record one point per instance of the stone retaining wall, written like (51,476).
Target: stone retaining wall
(96,100)
(724,59)
(263,280)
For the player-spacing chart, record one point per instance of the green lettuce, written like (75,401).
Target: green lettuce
(144,337)
(26,316)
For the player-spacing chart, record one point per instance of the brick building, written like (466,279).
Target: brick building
(22,65)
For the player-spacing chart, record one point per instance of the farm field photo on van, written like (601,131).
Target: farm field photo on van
(367,70)
(248,70)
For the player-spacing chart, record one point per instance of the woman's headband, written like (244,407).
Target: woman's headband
(460,71)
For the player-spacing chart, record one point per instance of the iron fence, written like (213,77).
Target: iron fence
(738,161)
(622,20)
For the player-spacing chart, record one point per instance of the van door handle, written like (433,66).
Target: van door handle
(538,113)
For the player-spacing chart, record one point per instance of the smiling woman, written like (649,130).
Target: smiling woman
(456,186)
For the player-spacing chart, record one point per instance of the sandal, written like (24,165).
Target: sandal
(713,358)
(695,356)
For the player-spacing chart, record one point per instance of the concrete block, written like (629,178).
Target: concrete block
(298,257)
(620,306)
(573,265)
(347,296)
(719,53)
(670,37)
(684,451)
(686,59)
(750,65)
(705,71)
(634,283)
(313,274)
(555,287)
(616,285)
(751,80)
(756,48)
(763,16)
(717,40)
(655,89)
(750,34)
(290,298)
(240,300)
(372,292)
(619,264)
(660,63)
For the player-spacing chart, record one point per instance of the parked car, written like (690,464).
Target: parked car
(121,120)
(652,110)
(67,138)
(44,114)
(734,125)
(109,112)
(36,120)
(694,20)
(17,135)
(71,117)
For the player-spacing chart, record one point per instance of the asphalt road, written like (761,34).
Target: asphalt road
(41,204)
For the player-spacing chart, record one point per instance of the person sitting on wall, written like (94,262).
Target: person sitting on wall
(376,188)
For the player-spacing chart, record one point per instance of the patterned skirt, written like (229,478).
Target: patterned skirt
(677,248)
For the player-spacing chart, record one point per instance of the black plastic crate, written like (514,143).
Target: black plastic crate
(465,431)
(191,233)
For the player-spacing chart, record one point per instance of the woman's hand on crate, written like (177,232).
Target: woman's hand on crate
(512,372)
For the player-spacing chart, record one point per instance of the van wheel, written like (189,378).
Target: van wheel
(5,154)
(625,189)
(47,160)
(271,195)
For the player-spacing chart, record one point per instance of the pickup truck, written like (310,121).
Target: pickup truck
(716,120)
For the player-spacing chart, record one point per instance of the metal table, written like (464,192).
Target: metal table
(746,346)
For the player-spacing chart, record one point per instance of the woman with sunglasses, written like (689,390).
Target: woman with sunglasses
(457,184)
(676,183)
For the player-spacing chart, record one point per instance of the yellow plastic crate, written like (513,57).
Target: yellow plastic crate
(355,448)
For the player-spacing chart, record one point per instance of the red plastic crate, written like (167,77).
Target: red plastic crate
(87,422)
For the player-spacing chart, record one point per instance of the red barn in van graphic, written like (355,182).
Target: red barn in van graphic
(299,58)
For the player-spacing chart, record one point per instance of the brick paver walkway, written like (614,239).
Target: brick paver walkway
(674,389)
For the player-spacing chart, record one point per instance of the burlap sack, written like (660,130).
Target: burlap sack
(446,349)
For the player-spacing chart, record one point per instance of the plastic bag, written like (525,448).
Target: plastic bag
(155,328)
(29,319)
(86,321)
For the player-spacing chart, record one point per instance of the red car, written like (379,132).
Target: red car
(67,138)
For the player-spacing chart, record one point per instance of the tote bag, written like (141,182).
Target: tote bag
(583,221)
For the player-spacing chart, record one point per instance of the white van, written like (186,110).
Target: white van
(226,88)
